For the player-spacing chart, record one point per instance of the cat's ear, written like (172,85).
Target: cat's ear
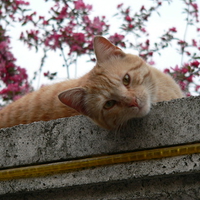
(74,98)
(104,49)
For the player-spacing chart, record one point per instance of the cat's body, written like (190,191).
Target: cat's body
(120,87)
(40,105)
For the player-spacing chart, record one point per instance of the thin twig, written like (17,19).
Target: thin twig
(65,60)
(75,74)
(185,33)
(41,66)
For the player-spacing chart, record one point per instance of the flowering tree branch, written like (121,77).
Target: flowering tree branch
(69,29)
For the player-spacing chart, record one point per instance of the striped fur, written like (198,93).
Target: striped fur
(89,94)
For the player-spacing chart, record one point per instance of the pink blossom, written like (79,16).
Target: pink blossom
(128,18)
(142,55)
(151,62)
(21,2)
(150,53)
(130,26)
(86,19)
(75,48)
(145,17)
(97,26)
(173,29)
(16,97)
(12,17)
(45,22)
(33,34)
(3,45)
(176,69)
(53,40)
(80,5)
(117,39)
(181,42)
(63,13)
(166,71)
(188,53)
(79,37)
(183,85)
(184,70)
(147,42)
(143,30)
(142,8)
(46,73)
(41,17)
(188,94)
(197,87)
(195,6)
(144,47)
(76,43)
(195,63)
(190,79)
(11,87)
(194,43)
(119,5)
(127,11)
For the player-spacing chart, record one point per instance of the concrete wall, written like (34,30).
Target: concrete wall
(169,123)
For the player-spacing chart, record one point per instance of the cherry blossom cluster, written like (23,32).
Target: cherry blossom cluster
(69,30)
(69,25)
(14,78)
(134,24)
(185,75)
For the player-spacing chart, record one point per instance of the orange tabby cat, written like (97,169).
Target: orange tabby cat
(120,87)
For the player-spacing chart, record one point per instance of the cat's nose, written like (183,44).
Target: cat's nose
(133,103)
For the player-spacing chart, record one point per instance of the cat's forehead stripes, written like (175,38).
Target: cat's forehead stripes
(135,68)
(105,86)
(147,74)
(110,81)
(104,80)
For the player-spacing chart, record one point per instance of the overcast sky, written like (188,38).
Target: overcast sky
(170,16)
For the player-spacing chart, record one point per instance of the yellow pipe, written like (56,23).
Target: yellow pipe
(73,165)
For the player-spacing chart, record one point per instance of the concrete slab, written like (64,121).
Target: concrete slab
(135,173)
(169,123)
(169,188)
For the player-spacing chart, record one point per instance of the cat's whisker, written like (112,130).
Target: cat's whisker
(117,80)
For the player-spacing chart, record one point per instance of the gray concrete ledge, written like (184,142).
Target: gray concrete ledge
(135,171)
(161,188)
(169,123)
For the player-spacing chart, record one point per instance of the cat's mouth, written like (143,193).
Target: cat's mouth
(140,110)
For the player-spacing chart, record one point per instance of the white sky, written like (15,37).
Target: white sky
(170,16)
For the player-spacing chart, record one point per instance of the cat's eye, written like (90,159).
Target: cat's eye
(126,80)
(109,104)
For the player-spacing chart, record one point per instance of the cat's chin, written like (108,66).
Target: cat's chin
(142,111)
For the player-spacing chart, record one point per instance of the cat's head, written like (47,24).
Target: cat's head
(117,89)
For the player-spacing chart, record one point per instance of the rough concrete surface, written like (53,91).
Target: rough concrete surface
(135,171)
(169,123)
(160,188)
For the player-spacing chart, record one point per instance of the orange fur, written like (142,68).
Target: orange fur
(101,94)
